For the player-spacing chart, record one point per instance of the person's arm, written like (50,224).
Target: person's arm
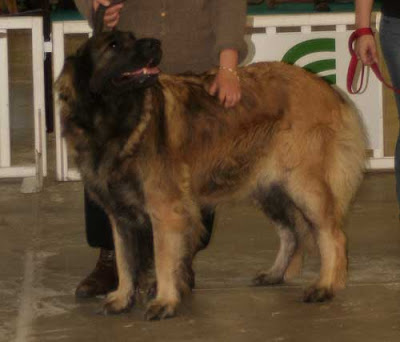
(363,13)
(229,27)
(365,45)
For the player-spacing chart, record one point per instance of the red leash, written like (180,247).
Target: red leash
(354,61)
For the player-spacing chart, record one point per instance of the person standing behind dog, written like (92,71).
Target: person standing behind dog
(196,35)
(366,50)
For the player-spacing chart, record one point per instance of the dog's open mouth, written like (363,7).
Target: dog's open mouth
(141,72)
(139,76)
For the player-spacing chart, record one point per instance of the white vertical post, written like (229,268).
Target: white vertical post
(38,93)
(270,30)
(5,148)
(340,28)
(306,29)
(58,62)
(59,30)
(39,169)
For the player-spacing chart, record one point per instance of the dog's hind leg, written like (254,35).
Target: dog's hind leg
(331,242)
(318,204)
(295,266)
(332,246)
(279,207)
(275,275)
(129,244)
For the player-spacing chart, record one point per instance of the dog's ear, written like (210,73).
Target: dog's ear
(65,84)
(97,81)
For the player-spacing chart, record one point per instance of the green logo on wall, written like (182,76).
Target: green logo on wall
(312,46)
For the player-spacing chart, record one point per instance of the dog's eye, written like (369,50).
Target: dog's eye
(113,44)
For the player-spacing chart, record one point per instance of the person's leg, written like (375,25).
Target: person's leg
(98,228)
(103,278)
(390,42)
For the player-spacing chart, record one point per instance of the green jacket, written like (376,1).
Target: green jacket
(192,32)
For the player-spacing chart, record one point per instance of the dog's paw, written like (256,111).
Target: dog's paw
(158,310)
(316,294)
(267,279)
(118,302)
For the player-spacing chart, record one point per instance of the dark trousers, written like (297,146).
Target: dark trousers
(390,42)
(98,227)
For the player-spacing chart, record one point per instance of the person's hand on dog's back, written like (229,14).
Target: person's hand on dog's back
(111,16)
(227,86)
(226,83)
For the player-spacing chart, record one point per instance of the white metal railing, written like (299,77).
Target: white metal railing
(60,29)
(39,168)
(269,44)
(272,45)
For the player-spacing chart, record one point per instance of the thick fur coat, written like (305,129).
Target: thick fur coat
(153,149)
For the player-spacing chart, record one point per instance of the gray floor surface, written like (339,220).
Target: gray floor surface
(44,255)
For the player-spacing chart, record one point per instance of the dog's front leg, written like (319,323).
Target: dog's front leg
(173,258)
(128,264)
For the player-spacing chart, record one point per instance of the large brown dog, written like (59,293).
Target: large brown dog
(158,147)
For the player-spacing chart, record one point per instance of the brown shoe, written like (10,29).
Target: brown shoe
(103,278)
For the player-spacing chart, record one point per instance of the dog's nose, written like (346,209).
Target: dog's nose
(149,48)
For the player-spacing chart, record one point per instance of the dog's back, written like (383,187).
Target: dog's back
(288,121)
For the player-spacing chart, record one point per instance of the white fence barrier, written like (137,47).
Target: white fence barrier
(320,43)
(316,41)
(60,30)
(39,168)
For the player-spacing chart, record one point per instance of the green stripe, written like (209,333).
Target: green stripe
(331,79)
(320,66)
(308,47)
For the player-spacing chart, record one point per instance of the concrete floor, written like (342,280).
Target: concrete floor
(43,255)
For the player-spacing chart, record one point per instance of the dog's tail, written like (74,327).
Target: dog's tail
(344,172)
(347,162)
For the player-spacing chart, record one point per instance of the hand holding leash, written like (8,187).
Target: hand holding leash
(365,48)
(106,12)
(368,56)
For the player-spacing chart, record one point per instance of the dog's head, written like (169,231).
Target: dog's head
(114,60)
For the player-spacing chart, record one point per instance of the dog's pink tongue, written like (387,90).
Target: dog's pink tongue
(143,71)
(151,71)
